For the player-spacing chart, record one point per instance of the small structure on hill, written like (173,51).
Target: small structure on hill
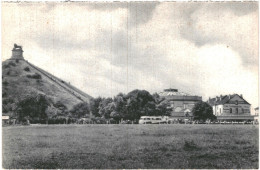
(17,52)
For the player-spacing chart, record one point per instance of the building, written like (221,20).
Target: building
(5,120)
(180,103)
(256,118)
(231,108)
(17,53)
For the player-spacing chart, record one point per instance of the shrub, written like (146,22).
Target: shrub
(4,94)
(9,100)
(27,69)
(80,110)
(5,83)
(35,76)
(6,66)
(12,64)
(34,107)
(39,81)
(99,120)
(60,106)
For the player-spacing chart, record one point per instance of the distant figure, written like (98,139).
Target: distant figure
(17,46)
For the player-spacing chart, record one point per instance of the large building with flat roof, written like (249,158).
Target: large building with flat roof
(181,103)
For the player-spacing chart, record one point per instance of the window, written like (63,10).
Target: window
(230,110)
(219,110)
(236,110)
(236,102)
(242,110)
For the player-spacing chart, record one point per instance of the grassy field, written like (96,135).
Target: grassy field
(130,146)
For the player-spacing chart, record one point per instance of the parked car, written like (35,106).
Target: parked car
(153,120)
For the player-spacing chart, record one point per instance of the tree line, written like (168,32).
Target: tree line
(129,106)
(38,108)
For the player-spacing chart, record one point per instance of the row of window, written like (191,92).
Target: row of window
(231,110)
(236,110)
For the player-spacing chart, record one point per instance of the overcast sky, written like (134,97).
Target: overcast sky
(204,49)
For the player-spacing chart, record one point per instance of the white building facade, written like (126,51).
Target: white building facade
(231,108)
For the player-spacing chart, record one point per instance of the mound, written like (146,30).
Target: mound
(21,79)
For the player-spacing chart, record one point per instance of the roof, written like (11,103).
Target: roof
(223,99)
(173,92)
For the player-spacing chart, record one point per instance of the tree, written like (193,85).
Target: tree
(106,106)
(120,107)
(33,107)
(139,103)
(80,110)
(94,106)
(203,111)
(163,108)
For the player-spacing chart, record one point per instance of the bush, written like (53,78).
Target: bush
(9,100)
(27,69)
(4,94)
(39,81)
(33,107)
(6,66)
(35,76)
(5,83)
(80,110)
(11,64)
(56,120)
(99,120)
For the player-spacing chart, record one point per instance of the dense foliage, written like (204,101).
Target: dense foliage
(80,110)
(131,106)
(203,111)
(33,107)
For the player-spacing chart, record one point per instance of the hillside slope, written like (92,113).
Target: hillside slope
(21,78)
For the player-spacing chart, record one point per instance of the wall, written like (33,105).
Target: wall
(238,105)
(177,106)
(17,54)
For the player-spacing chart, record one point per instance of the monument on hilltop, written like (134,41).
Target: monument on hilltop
(17,52)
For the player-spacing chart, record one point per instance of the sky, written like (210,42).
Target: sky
(201,48)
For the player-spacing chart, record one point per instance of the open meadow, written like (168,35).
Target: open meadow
(130,146)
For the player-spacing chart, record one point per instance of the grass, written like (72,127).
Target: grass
(23,76)
(130,146)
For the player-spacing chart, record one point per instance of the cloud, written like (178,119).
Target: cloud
(230,24)
(139,12)
(204,49)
